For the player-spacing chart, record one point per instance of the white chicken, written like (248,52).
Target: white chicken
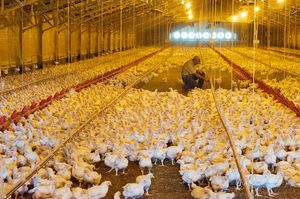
(260,167)
(222,195)
(31,156)
(216,169)
(110,160)
(93,158)
(63,193)
(99,191)
(270,157)
(159,153)
(280,153)
(191,175)
(146,181)
(134,190)
(272,181)
(117,195)
(256,181)
(43,191)
(121,163)
(91,177)
(78,172)
(4,173)
(233,175)
(293,155)
(145,163)
(79,193)
(174,151)
(199,192)
(219,183)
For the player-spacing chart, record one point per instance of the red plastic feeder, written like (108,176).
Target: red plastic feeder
(3,119)
(56,95)
(14,114)
(49,98)
(42,103)
(63,91)
(33,105)
(25,111)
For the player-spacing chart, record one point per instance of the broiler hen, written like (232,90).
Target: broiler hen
(200,193)
(100,191)
(272,181)
(256,181)
(219,183)
(147,181)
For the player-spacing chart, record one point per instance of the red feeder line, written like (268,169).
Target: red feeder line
(266,88)
(237,74)
(287,53)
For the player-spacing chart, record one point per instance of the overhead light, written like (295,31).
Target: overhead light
(188,5)
(189,12)
(203,36)
(244,14)
(221,35)
(206,35)
(184,35)
(192,35)
(177,35)
(256,8)
(234,18)
(228,35)
(280,1)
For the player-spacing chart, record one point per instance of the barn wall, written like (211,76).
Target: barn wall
(85,42)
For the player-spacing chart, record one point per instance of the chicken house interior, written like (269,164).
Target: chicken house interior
(152,99)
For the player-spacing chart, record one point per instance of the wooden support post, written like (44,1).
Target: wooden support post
(56,38)
(89,42)
(110,39)
(102,30)
(296,37)
(97,53)
(79,36)
(79,43)
(40,42)
(19,54)
(69,59)
(2,5)
(121,28)
(97,39)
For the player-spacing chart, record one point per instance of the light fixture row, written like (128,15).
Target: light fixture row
(243,15)
(188,6)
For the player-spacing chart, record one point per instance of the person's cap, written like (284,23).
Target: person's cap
(196,59)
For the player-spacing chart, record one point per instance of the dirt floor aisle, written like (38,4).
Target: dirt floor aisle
(172,79)
(166,183)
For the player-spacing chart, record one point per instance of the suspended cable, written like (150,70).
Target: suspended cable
(22,48)
(253,131)
(68,33)
(232,30)
(121,27)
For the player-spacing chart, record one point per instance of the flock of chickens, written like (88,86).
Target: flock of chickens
(148,128)
(280,72)
(58,77)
